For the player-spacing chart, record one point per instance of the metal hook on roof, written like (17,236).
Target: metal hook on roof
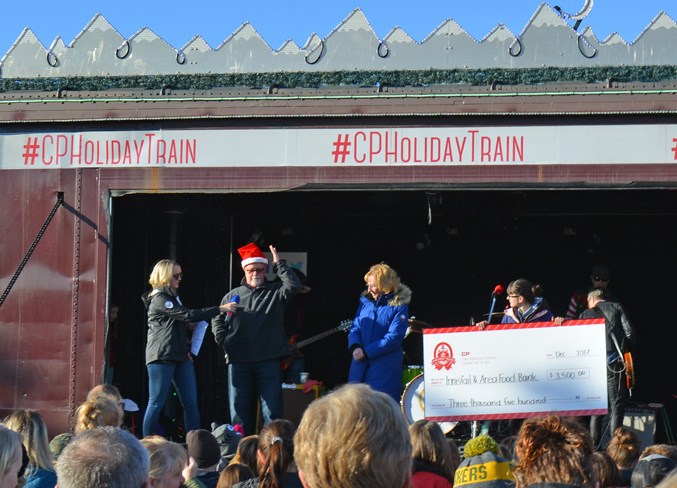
(382,50)
(516,42)
(580,48)
(180,57)
(581,14)
(61,91)
(52,59)
(313,50)
(578,16)
(124,50)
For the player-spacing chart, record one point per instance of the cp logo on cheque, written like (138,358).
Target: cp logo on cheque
(443,356)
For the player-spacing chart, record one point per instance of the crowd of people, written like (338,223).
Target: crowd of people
(355,436)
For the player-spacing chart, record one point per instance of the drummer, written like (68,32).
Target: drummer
(413,343)
(375,339)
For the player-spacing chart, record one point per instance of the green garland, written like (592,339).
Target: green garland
(432,77)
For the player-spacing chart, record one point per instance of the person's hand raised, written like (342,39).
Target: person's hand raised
(276,256)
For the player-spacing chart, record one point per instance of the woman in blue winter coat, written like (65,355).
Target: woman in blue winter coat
(375,339)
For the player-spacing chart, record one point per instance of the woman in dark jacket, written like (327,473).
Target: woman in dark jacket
(168,358)
(524,305)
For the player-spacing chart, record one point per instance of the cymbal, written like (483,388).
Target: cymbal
(494,314)
(417,325)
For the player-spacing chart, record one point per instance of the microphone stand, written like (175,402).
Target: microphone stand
(491,307)
(475,424)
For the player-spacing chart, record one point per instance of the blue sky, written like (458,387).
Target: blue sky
(178,22)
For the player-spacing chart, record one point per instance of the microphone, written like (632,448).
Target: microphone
(229,315)
(498,289)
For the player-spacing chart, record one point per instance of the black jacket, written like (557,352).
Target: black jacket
(256,331)
(617,324)
(168,325)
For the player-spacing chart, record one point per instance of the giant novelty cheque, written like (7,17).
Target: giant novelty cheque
(515,370)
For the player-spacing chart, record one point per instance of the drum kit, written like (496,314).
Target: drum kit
(412,402)
(413,405)
(413,397)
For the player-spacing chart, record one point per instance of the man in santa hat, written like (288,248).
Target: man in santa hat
(253,337)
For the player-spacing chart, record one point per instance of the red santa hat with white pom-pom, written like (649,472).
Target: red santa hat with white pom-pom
(251,254)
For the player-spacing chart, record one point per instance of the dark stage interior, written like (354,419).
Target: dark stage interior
(450,247)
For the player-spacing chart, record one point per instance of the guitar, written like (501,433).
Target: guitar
(629,371)
(342,327)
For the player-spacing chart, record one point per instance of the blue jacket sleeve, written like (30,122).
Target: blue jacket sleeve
(354,335)
(392,340)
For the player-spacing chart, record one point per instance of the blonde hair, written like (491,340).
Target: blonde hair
(109,392)
(104,390)
(34,435)
(162,273)
(10,449)
(354,437)
(385,277)
(166,457)
(97,413)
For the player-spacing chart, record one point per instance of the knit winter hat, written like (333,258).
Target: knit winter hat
(482,466)
(59,442)
(251,254)
(227,437)
(203,447)
(651,470)
(601,271)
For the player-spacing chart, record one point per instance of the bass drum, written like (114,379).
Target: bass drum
(413,405)
(409,373)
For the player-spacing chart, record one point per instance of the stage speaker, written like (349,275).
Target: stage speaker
(296,401)
(643,422)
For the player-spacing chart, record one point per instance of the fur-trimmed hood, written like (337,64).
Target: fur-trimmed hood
(401,296)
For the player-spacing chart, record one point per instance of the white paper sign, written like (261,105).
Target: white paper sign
(198,337)
(515,370)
